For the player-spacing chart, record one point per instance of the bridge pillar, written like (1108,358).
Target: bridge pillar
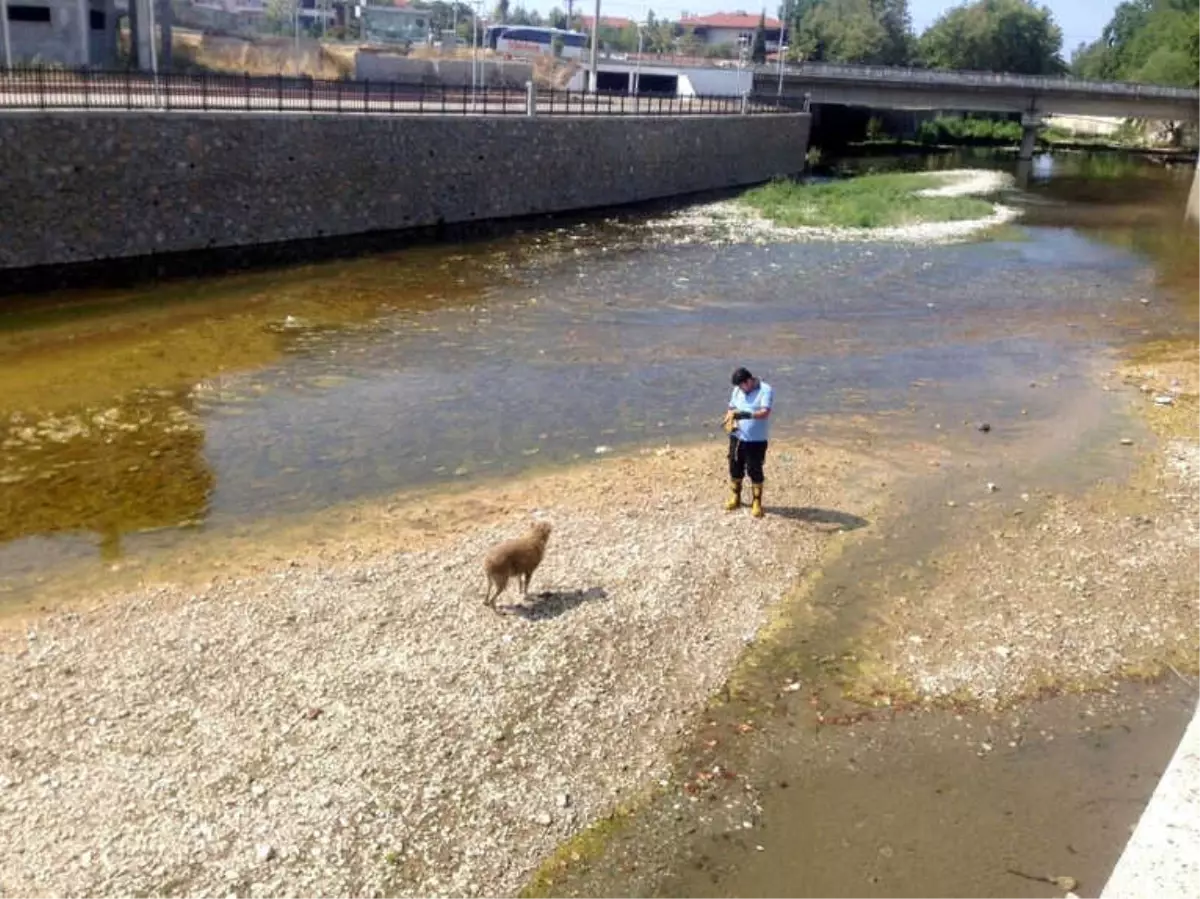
(1193,203)
(1030,123)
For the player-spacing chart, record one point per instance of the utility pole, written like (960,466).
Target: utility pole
(4,26)
(474,49)
(637,66)
(570,13)
(779,47)
(741,62)
(595,48)
(637,69)
(153,48)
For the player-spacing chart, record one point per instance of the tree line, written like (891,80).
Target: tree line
(1149,41)
(1146,41)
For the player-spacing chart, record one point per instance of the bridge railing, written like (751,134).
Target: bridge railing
(41,88)
(963,78)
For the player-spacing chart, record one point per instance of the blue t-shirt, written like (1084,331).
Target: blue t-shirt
(752,430)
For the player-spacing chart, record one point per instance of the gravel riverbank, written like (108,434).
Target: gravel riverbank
(363,725)
(1061,590)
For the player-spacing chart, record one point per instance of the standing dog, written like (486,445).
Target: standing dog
(520,556)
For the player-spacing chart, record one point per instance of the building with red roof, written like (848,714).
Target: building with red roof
(732,29)
(618,22)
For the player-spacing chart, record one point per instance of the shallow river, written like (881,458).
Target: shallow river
(130,419)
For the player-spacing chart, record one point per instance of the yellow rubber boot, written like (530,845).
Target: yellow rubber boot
(756,507)
(735,496)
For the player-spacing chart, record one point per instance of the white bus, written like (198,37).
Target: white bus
(529,40)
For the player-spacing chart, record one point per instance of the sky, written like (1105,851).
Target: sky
(1080,20)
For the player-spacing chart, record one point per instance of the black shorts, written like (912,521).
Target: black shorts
(746,456)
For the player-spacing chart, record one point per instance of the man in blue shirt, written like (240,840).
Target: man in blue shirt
(748,424)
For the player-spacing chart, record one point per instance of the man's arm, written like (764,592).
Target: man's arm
(765,410)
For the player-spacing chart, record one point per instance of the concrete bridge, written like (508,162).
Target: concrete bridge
(1034,96)
(892,87)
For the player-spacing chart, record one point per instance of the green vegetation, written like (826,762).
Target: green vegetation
(982,131)
(1150,41)
(758,47)
(968,130)
(869,201)
(581,849)
(987,35)
(995,36)
(863,31)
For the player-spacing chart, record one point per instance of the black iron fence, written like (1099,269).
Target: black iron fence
(92,89)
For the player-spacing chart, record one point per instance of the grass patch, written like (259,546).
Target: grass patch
(868,201)
(584,847)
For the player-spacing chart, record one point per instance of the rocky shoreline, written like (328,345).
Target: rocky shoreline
(362,724)
(352,720)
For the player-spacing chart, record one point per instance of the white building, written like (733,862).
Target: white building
(650,79)
(66,32)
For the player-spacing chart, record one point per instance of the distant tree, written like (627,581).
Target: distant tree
(501,13)
(1194,51)
(556,18)
(689,44)
(442,16)
(758,47)
(995,36)
(1148,41)
(660,35)
(622,40)
(1091,61)
(1120,34)
(841,31)
(279,14)
(1170,66)
(899,44)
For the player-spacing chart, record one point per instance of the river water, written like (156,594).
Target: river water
(132,420)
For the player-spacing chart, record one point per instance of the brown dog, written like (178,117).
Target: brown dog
(520,556)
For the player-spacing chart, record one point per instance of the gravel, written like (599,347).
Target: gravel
(1085,591)
(360,724)
(1079,593)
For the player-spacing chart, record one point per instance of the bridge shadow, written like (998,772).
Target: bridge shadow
(552,603)
(829,519)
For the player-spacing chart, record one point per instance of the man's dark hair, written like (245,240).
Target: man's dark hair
(741,375)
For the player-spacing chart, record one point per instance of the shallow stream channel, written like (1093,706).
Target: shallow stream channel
(137,424)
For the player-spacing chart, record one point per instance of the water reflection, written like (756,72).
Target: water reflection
(254,395)
(1132,202)
(133,466)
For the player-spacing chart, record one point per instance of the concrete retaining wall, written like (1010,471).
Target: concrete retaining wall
(81,187)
